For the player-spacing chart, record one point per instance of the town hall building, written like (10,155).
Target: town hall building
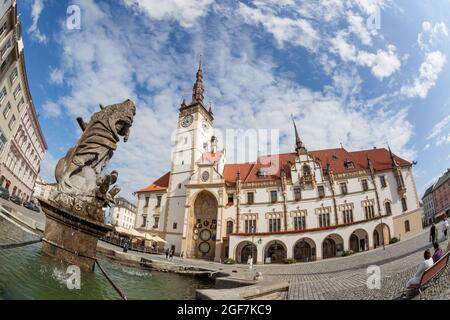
(304,205)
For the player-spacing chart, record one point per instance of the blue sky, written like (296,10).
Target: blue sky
(345,80)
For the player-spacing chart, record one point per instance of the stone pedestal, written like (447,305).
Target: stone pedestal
(71,238)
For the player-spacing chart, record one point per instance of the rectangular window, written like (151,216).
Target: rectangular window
(300,223)
(365,185)
(158,201)
(298,194)
(369,212)
(5,48)
(3,28)
(13,76)
(250,198)
(274,225)
(3,95)
(273,196)
(343,188)
(383,181)
(230,199)
(3,141)
(156,224)
(405,205)
(348,216)
(175,225)
(250,226)
(324,220)
(17,91)
(321,190)
(7,110)
(147,199)
(12,122)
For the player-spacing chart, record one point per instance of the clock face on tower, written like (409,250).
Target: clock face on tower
(187,121)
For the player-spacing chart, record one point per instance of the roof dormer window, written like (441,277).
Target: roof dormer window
(261,173)
(349,164)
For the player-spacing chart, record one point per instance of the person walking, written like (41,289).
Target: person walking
(171,255)
(250,262)
(167,253)
(445,228)
(433,233)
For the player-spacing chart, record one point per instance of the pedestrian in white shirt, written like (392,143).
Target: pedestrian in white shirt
(250,262)
(427,263)
(445,228)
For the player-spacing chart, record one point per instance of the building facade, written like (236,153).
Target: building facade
(43,189)
(22,144)
(428,207)
(441,196)
(122,214)
(305,205)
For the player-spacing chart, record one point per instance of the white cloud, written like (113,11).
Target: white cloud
(56,76)
(443,140)
(51,110)
(117,61)
(296,31)
(48,165)
(427,146)
(382,64)
(36,11)
(186,13)
(431,35)
(428,75)
(439,127)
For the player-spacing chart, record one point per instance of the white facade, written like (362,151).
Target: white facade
(312,205)
(43,189)
(123,214)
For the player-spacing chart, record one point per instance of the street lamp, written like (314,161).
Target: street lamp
(253,243)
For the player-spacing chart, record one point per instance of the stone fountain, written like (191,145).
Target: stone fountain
(74,211)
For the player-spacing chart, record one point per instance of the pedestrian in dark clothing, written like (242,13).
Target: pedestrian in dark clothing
(125,246)
(167,253)
(433,233)
(171,255)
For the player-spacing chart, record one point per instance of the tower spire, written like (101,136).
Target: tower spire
(198,90)
(393,161)
(298,142)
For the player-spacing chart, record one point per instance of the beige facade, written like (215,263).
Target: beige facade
(22,144)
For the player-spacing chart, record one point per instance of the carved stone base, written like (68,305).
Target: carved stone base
(71,238)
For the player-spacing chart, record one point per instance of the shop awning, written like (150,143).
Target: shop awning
(128,232)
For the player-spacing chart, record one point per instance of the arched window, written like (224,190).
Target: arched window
(387,206)
(306,170)
(407,226)
(230,226)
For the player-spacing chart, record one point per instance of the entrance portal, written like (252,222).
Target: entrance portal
(202,227)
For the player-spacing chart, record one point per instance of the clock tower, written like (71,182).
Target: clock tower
(193,137)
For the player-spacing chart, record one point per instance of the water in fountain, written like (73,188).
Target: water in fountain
(25,273)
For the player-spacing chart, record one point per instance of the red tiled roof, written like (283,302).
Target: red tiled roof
(336,157)
(159,185)
(272,165)
(381,159)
